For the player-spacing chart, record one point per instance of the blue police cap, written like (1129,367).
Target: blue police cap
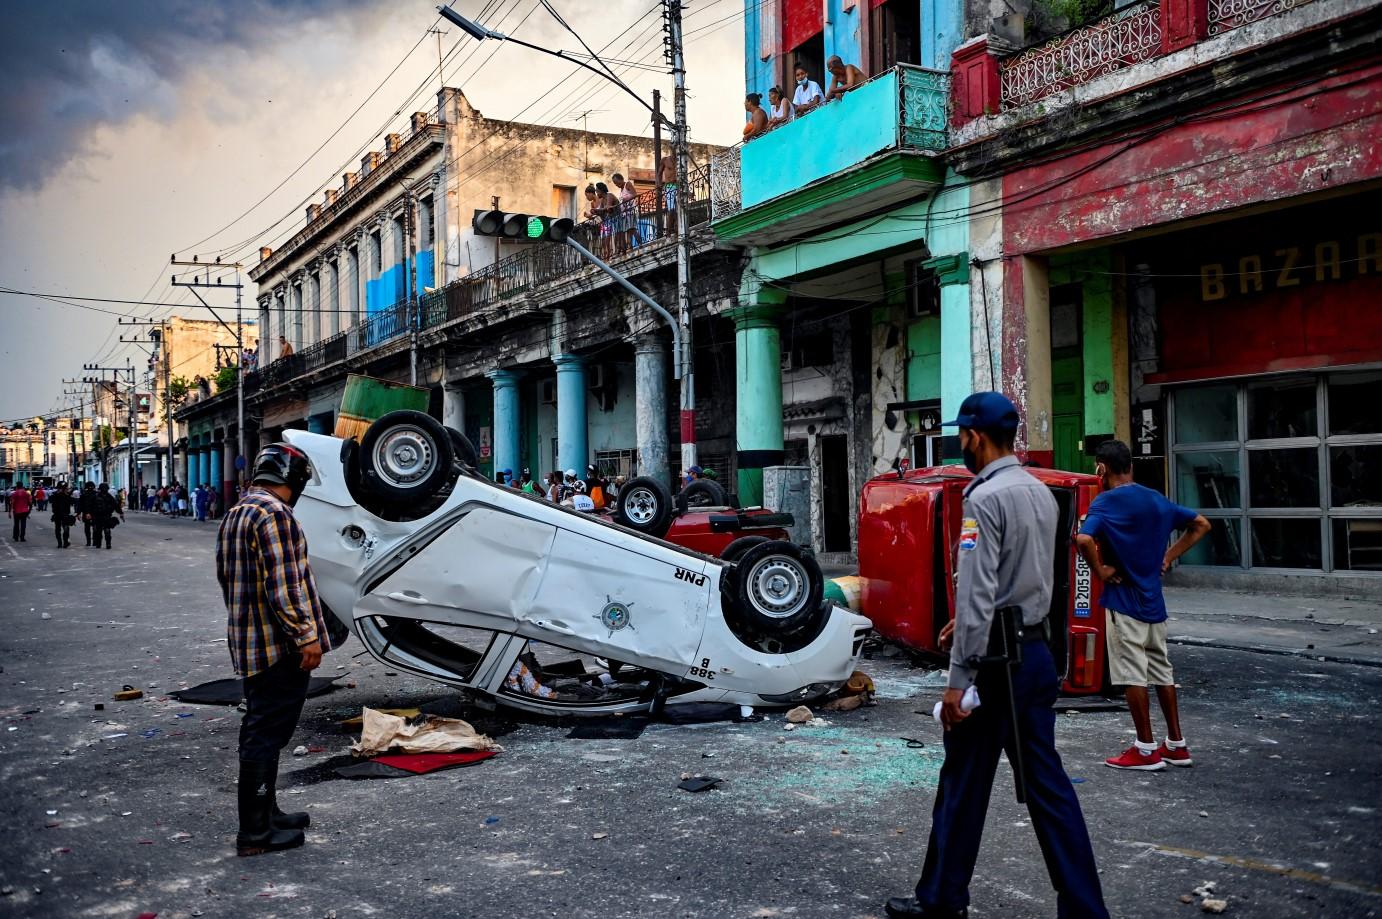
(985,411)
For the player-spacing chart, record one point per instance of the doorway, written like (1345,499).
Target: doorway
(1067,378)
(894,35)
(835,497)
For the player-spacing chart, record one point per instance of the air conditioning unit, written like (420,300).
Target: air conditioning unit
(548,392)
(786,361)
(599,376)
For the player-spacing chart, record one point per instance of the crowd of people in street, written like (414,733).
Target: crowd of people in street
(174,500)
(99,510)
(591,494)
(806,96)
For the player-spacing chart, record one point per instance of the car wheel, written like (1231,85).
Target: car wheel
(740,546)
(463,449)
(777,589)
(405,456)
(702,493)
(645,505)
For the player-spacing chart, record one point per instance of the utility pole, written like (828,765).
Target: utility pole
(237,331)
(133,439)
(159,334)
(414,302)
(657,160)
(683,155)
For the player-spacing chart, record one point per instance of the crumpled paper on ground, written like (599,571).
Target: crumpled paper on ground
(384,733)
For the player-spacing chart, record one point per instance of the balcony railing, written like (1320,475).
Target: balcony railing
(623,234)
(1119,40)
(1230,14)
(903,108)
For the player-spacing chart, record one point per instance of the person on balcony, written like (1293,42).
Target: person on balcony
(284,349)
(781,108)
(758,119)
(607,207)
(808,93)
(668,173)
(628,212)
(843,78)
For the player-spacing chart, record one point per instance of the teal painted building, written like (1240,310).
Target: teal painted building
(852,328)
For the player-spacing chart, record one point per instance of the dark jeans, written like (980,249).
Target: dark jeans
(273,703)
(64,531)
(962,799)
(21,524)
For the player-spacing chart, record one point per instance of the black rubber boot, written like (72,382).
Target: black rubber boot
(255,796)
(297,820)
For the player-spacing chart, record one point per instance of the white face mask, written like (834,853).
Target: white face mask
(802,81)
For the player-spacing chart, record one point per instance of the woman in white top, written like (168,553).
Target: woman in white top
(780,108)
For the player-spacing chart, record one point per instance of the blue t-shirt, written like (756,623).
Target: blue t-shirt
(1133,525)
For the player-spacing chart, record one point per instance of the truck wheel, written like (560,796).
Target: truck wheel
(777,589)
(645,505)
(702,493)
(463,450)
(405,456)
(739,546)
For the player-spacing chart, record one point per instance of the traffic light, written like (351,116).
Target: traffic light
(521,227)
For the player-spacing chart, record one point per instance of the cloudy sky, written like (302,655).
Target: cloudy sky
(133,130)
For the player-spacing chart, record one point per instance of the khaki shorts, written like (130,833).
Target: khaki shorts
(1137,652)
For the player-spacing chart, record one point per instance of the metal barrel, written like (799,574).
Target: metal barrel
(367,398)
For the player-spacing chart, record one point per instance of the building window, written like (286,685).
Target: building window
(894,34)
(353,282)
(376,254)
(1288,469)
(564,201)
(426,230)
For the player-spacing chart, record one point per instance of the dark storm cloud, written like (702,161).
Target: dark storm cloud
(69,66)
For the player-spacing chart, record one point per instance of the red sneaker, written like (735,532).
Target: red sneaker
(1180,757)
(1133,758)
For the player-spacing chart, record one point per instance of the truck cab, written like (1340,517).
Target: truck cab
(909,530)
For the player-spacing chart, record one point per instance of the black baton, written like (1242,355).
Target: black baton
(1005,649)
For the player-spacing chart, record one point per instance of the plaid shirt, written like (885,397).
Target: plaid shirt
(261,562)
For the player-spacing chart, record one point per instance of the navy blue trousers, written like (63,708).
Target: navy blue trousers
(273,704)
(962,799)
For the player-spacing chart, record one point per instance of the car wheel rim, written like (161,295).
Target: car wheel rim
(778,586)
(404,456)
(640,505)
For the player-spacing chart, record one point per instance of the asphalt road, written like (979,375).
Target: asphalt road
(131,809)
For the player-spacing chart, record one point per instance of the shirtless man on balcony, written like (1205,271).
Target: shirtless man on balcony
(843,78)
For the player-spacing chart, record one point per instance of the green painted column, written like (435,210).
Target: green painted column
(957,353)
(758,388)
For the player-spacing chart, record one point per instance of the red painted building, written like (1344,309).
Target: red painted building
(1180,244)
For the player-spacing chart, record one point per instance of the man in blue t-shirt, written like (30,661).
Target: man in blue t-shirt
(1124,537)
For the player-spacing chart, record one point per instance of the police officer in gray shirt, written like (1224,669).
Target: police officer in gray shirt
(1006,549)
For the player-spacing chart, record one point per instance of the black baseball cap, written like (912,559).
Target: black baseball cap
(986,411)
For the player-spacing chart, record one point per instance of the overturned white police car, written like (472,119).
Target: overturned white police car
(446,575)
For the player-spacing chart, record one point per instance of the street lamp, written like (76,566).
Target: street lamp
(683,162)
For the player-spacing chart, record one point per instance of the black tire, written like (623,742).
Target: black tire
(405,456)
(645,506)
(462,449)
(741,545)
(777,589)
(702,493)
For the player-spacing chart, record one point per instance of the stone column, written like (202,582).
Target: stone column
(228,476)
(204,464)
(506,418)
(453,405)
(957,356)
(573,439)
(215,477)
(758,390)
(180,464)
(650,404)
(194,468)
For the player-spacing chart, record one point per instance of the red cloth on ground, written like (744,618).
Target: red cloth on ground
(423,763)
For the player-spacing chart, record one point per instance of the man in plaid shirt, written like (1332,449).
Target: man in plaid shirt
(277,636)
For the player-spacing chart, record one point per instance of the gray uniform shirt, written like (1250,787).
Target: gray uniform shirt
(1007,541)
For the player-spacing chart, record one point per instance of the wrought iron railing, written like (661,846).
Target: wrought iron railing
(1230,14)
(925,114)
(726,193)
(1124,38)
(625,232)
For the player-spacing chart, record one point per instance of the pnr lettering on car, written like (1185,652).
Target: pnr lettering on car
(696,580)
(969,534)
(1084,586)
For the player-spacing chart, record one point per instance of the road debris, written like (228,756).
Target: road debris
(128,694)
(799,715)
(383,733)
(1210,905)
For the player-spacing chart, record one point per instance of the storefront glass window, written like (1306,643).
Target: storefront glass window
(1208,479)
(1284,477)
(1355,403)
(1355,475)
(1286,542)
(1283,409)
(1358,544)
(1207,414)
(1221,547)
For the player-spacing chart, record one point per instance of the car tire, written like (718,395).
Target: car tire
(645,506)
(777,589)
(405,456)
(738,547)
(702,493)
(462,449)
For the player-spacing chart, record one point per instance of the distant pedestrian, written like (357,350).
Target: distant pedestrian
(86,509)
(105,507)
(201,500)
(526,483)
(62,516)
(1124,538)
(182,501)
(40,498)
(277,635)
(20,504)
